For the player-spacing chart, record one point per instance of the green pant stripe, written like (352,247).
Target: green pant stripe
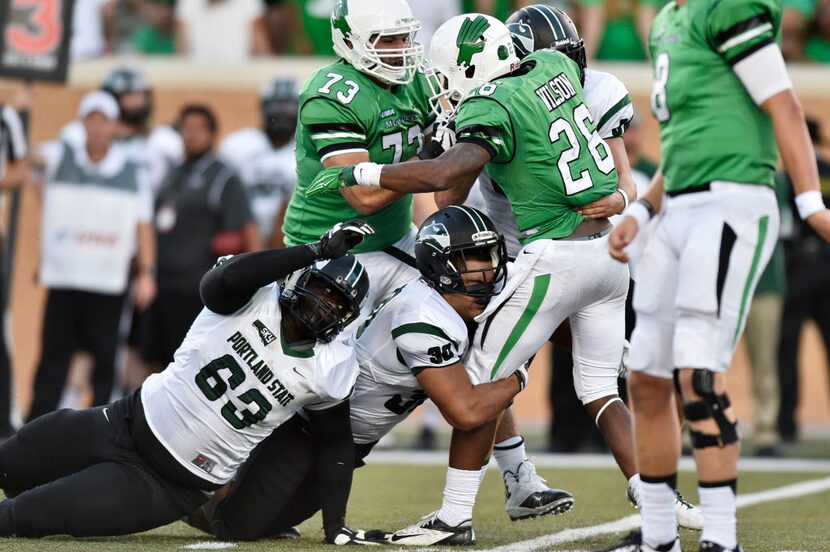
(756,260)
(540,289)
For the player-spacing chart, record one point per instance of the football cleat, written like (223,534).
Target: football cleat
(527,495)
(633,542)
(431,530)
(709,546)
(688,515)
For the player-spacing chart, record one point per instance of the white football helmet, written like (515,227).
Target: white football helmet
(358,25)
(466,52)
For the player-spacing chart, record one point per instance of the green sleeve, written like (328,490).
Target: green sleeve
(484,121)
(737,28)
(332,126)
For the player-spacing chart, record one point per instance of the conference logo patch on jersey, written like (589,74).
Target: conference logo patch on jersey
(265,335)
(204,463)
(388,113)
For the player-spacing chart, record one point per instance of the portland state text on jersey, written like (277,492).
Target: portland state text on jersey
(259,368)
(556,91)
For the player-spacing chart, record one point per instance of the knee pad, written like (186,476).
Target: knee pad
(712,406)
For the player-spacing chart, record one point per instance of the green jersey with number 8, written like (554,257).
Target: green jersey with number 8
(710,127)
(345,111)
(547,156)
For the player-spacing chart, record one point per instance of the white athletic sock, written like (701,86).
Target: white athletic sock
(634,484)
(657,507)
(459,496)
(510,453)
(719,524)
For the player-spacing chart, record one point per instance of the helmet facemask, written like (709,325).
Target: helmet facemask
(360,46)
(319,304)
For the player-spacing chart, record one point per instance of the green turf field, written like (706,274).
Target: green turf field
(389,497)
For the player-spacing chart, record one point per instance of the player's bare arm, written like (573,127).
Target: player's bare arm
(614,203)
(645,208)
(364,200)
(797,155)
(466,406)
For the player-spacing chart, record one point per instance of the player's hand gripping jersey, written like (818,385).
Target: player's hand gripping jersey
(710,127)
(220,397)
(343,111)
(414,329)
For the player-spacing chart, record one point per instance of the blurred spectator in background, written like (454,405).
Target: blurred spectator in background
(315,34)
(156,35)
(201,213)
(275,29)
(13,169)
(763,335)
(95,207)
(88,38)
(808,265)
(796,22)
(817,47)
(264,158)
(432,14)
(218,30)
(617,29)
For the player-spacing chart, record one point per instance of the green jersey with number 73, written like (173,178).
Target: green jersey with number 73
(345,111)
(546,154)
(710,128)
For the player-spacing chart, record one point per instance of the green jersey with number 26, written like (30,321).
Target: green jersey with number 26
(344,111)
(710,128)
(546,154)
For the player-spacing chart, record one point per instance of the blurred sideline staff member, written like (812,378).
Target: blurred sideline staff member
(97,203)
(807,259)
(263,157)
(201,213)
(13,167)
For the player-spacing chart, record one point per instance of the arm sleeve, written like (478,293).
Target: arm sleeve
(333,128)
(229,285)
(738,28)
(422,345)
(235,206)
(331,430)
(17,147)
(485,122)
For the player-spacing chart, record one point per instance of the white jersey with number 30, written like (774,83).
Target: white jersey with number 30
(233,380)
(413,329)
(611,110)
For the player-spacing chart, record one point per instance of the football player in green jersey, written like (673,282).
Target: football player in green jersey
(723,98)
(371,105)
(529,125)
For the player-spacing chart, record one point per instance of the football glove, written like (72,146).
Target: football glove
(342,237)
(346,536)
(332,178)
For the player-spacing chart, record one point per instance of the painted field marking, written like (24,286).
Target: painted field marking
(209,545)
(632,522)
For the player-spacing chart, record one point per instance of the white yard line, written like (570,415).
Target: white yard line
(439,458)
(631,522)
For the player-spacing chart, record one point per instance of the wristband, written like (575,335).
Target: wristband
(367,174)
(640,213)
(809,203)
(625,199)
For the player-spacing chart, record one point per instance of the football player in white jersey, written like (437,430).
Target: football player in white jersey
(409,349)
(264,157)
(255,356)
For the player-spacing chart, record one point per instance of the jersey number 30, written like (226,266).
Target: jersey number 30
(211,383)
